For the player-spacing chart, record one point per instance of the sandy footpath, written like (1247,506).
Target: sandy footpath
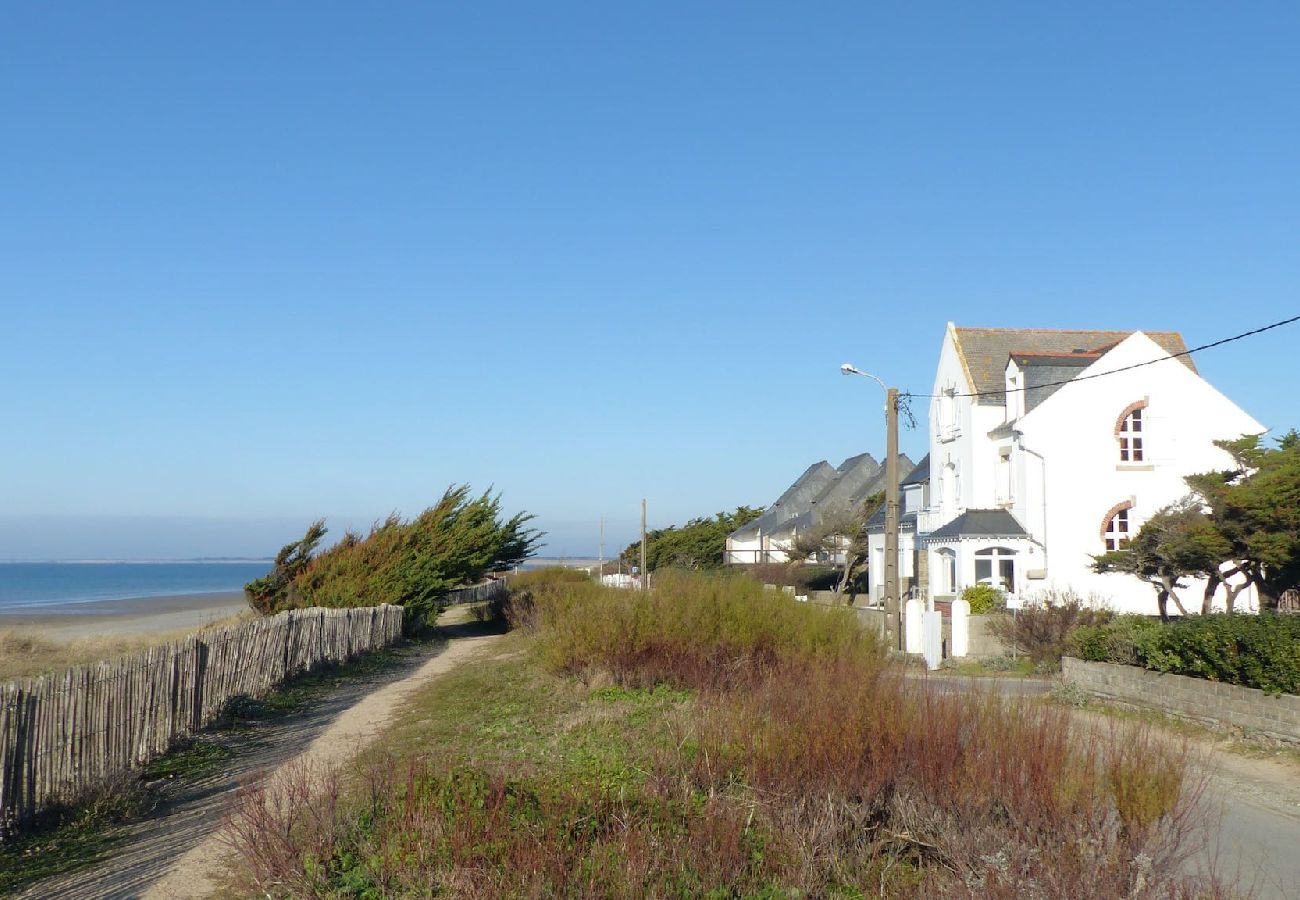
(137,616)
(197,873)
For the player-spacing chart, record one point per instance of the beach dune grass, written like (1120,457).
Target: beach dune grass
(29,651)
(714,738)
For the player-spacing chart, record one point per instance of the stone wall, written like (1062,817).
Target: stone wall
(982,641)
(1207,702)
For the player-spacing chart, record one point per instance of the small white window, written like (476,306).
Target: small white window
(1131,438)
(1117,530)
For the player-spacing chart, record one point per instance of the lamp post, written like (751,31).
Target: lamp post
(893,623)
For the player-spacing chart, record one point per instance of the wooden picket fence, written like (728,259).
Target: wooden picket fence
(63,734)
(488,590)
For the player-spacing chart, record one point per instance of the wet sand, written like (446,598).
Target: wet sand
(133,616)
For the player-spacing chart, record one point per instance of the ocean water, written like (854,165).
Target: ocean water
(30,587)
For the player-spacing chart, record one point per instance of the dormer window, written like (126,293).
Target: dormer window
(1130,430)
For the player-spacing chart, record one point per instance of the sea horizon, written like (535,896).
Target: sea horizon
(32,586)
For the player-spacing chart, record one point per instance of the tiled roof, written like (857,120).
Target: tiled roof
(984,351)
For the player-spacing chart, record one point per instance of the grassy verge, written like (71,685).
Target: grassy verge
(992,667)
(1226,741)
(712,738)
(75,836)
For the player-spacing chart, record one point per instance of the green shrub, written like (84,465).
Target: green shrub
(984,599)
(1122,640)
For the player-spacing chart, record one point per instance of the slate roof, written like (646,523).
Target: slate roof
(984,353)
(986,523)
(876,524)
(856,483)
(920,473)
(797,499)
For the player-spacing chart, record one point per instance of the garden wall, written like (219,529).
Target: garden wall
(1208,702)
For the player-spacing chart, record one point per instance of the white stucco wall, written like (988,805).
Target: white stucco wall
(1075,430)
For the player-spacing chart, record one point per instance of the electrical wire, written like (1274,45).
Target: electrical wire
(1149,362)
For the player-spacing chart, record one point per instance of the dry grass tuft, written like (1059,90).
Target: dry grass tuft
(26,652)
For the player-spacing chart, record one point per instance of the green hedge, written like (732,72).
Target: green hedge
(1251,651)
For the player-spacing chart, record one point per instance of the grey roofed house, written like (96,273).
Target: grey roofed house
(979,523)
(984,353)
(797,499)
(859,477)
(919,474)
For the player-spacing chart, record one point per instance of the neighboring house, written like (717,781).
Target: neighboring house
(1046,466)
(914,498)
(820,492)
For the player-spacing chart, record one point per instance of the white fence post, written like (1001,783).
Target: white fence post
(960,627)
(933,639)
(914,625)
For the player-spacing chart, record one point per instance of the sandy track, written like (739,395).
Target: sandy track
(176,853)
(197,873)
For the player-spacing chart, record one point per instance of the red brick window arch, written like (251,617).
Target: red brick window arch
(1116,526)
(1130,431)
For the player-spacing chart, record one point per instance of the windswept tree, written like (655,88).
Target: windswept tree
(840,533)
(1255,507)
(276,586)
(1180,541)
(699,544)
(411,563)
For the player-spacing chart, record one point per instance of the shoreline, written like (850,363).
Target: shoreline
(126,616)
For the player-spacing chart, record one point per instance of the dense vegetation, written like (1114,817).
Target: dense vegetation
(1252,651)
(1041,628)
(699,544)
(1239,527)
(711,738)
(411,563)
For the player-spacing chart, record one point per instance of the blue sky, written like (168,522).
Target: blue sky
(265,262)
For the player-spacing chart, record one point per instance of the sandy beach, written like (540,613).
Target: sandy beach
(128,617)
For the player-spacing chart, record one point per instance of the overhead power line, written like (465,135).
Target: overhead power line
(1149,362)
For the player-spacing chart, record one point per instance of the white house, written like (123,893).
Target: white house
(819,492)
(1036,465)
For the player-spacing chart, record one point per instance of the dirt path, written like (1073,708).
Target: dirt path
(176,853)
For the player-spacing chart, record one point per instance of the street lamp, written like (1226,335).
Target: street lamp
(893,623)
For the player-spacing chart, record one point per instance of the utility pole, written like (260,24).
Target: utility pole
(645,576)
(892,600)
(600,571)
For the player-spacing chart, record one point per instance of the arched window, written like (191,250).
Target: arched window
(1129,429)
(1115,528)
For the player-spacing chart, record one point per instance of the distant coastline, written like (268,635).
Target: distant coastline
(205,560)
(72,586)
